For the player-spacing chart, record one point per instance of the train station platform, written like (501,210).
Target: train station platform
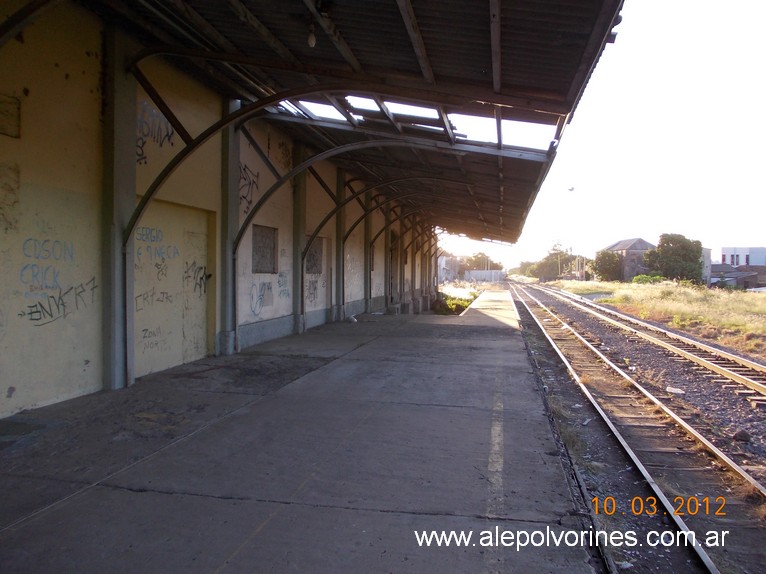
(332,451)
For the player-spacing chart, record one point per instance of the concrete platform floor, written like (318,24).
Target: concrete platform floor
(323,452)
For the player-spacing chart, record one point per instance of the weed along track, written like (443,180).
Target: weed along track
(699,497)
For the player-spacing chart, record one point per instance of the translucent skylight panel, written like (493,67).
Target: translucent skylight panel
(290,108)
(527,134)
(361,103)
(475,128)
(410,110)
(514,133)
(323,110)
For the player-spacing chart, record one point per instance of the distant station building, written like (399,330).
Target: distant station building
(631,252)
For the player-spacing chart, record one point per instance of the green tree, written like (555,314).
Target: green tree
(607,266)
(676,257)
(552,265)
(482,261)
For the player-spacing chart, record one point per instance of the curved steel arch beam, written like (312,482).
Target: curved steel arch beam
(23,17)
(311,161)
(244,112)
(373,208)
(357,194)
(397,218)
(416,237)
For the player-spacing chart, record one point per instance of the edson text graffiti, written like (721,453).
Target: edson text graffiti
(54,249)
(42,277)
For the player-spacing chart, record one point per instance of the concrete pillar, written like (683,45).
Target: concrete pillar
(340,230)
(299,239)
(226,337)
(119,200)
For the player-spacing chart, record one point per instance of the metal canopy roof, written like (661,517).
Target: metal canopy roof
(523,60)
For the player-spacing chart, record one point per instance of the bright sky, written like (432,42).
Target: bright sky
(667,138)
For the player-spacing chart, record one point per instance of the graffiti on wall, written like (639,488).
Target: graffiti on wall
(153,339)
(61,305)
(151,246)
(196,276)
(312,290)
(248,185)
(150,297)
(151,127)
(42,272)
(261,295)
(283,284)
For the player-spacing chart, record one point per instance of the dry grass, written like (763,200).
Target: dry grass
(736,319)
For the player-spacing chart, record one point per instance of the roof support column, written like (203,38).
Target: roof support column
(226,337)
(119,198)
(299,238)
(368,252)
(338,311)
(414,303)
(433,268)
(387,261)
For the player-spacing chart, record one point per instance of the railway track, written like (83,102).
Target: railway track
(724,367)
(693,483)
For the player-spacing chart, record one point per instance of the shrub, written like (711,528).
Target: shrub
(449,305)
(646,279)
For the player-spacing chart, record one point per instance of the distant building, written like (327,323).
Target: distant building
(707,265)
(737,256)
(631,252)
(449,268)
(491,275)
(730,276)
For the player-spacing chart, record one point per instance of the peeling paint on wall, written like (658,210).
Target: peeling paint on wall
(9,195)
(10,116)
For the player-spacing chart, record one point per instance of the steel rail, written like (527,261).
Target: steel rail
(737,377)
(669,508)
(714,450)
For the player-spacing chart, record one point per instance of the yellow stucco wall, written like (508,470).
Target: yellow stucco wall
(319,287)
(172,294)
(353,275)
(265,296)
(175,245)
(379,256)
(197,180)
(50,186)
